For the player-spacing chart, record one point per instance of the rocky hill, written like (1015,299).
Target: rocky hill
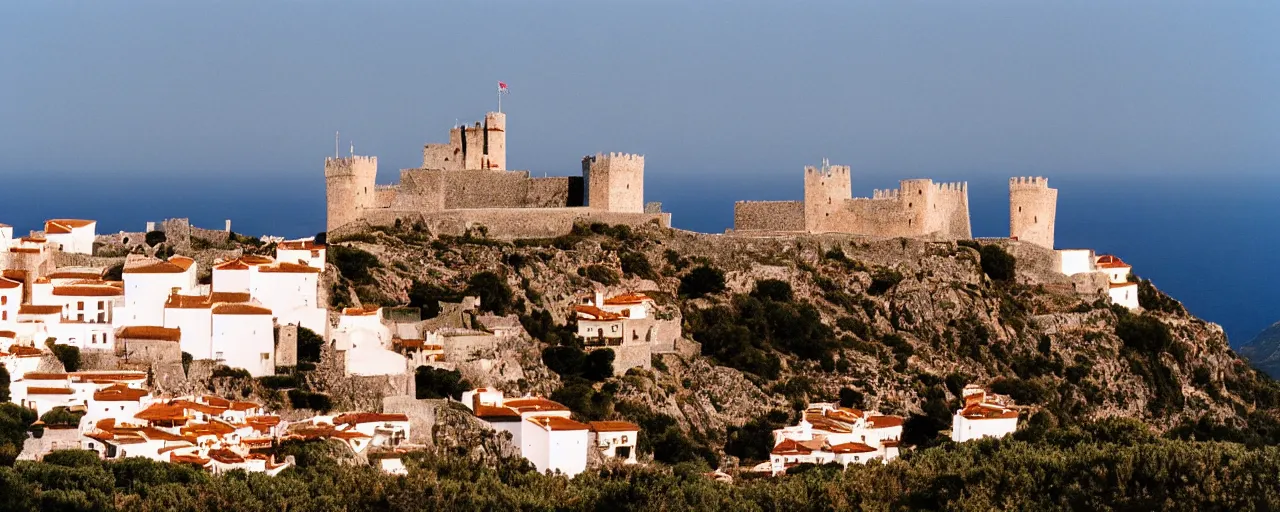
(1263,351)
(772,323)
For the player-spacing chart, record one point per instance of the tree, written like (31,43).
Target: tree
(702,281)
(4,384)
(436,383)
(598,365)
(601,274)
(353,263)
(564,360)
(495,295)
(636,264)
(154,238)
(997,263)
(68,354)
(851,398)
(428,296)
(309,345)
(775,290)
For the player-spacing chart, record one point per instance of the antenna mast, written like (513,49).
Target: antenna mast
(335,144)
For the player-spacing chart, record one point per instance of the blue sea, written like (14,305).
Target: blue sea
(1206,240)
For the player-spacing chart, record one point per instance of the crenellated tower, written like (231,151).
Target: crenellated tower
(825,192)
(349,188)
(614,182)
(1033,207)
(482,146)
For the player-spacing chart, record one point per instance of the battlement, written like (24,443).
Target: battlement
(959,186)
(888,193)
(827,171)
(1028,182)
(350,165)
(608,157)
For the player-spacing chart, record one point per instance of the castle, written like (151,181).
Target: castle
(917,208)
(465,183)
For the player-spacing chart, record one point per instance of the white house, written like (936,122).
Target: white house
(1117,271)
(243,336)
(1124,294)
(71,235)
(827,433)
(1075,261)
(306,252)
(983,415)
(367,343)
(615,439)
(541,429)
(44,391)
(147,286)
(87,311)
(10,300)
(291,292)
(234,276)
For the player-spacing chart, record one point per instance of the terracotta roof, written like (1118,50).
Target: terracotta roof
(7,284)
(15,275)
(625,299)
(27,250)
(216,401)
(74,274)
(1123,285)
(254,259)
(149,332)
(828,424)
(533,404)
(163,412)
(212,428)
(852,448)
(119,393)
(64,226)
(884,421)
(188,459)
(175,265)
(240,309)
(49,391)
(8,334)
(244,406)
(31,309)
(229,297)
(45,376)
(614,426)
(225,456)
(1109,261)
(199,407)
(356,418)
(236,264)
(109,376)
(492,412)
(597,313)
(987,412)
(263,421)
(179,301)
(25,351)
(557,423)
(87,291)
(288,268)
(792,447)
(156,434)
(364,311)
(299,245)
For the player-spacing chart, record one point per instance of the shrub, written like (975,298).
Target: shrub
(754,439)
(318,402)
(773,289)
(61,417)
(68,354)
(309,345)
(428,296)
(702,281)
(598,365)
(852,398)
(114,273)
(4,384)
(495,295)
(279,381)
(883,280)
(1143,333)
(224,371)
(601,274)
(636,264)
(997,263)
(154,238)
(584,400)
(354,264)
(436,383)
(564,360)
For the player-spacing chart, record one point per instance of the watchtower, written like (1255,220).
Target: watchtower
(825,192)
(349,188)
(1032,209)
(482,146)
(614,182)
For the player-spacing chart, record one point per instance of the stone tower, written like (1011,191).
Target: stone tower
(1032,209)
(614,182)
(349,188)
(825,191)
(479,147)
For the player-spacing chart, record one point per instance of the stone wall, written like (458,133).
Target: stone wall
(349,187)
(509,223)
(1032,210)
(460,346)
(614,182)
(287,345)
(768,216)
(148,351)
(628,356)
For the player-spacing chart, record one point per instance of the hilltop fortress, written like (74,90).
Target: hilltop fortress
(917,208)
(465,184)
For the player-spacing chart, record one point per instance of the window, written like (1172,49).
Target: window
(266,356)
(80,306)
(4,300)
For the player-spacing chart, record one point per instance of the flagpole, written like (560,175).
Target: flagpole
(499,99)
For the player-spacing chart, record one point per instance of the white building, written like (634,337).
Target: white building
(10,300)
(367,343)
(983,415)
(71,235)
(243,336)
(1120,290)
(147,286)
(306,252)
(830,433)
(44,391)
(541,429)
(87,311)
(234,276)
(1075,261)
(615,439)
(291,292)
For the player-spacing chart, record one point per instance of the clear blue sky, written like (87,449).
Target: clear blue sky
(725,89)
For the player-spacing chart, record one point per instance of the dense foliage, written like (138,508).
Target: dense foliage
(702,281)
(746,333)
(997,263)
(309,345)
(69,355)
(495,295)
(437,383)
(354,264)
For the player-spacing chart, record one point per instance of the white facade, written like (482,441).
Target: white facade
(148,286)
(305,251)
(291,292)
(71,235)
(1075,261)
(243,336)
(541,429)
(366,341)
(615,439)
(830,433)
(1124,294)
(10,301)
(983,415)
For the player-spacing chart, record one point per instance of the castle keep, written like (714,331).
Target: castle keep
(1032,208)
(916,208)
(465,183)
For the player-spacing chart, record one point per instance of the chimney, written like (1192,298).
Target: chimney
(599,299)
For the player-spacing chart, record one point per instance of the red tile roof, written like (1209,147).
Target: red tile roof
(8,284)
(364,311)
(557,423)
(625,299)
(25,351)
(533,404)
(72,274)
(884,421)
(163,412)
(356,418)
(1109,261)
(288,268)
(31,309)
(175,265)
(299,245)
(490,412)
(596,313)
(87,291)
(48,391)
(64,226)
(852,448)
(987,412)
(119,393)
(240,309)
(614,426)
(149,332)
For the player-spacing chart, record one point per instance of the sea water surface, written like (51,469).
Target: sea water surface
(1209,241)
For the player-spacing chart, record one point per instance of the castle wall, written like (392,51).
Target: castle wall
(916,208)
(614,182)
(554,192)
(826,191)
(482,146)
(1032,210)
(421,190)
(349,187)
(509,223)
(768,216)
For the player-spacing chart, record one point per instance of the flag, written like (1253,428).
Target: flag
(502,88)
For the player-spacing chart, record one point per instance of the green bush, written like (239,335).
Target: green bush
(309,345)
(354,264)
(154,238)
(601,274)
(4,384)
(883,280)
(598,365)
(61,417)
(436,383)
(69,355)
(998,264)
(702,281)
(1144,333)
(495,296)
(773,289)
(636,264)
(318,402)
(224,371)
(279,381)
